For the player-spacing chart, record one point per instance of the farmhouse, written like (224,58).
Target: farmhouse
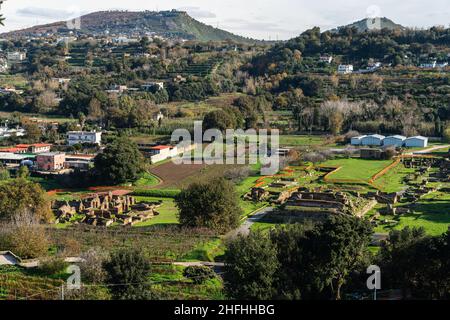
(345,69)
(52,161)
(429,65)
(326,59)
(14,150)
(357,141)
(80,137)
(35,148)
(152,86)
(416,142)
(16,56)
(79,161)
(5,132)
(372,140)
(396,141)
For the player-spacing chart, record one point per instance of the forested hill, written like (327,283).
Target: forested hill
(396,47)
(170,24)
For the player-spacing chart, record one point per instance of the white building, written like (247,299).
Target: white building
(396,141)
(372,140)
(326,59)
(416,142)
(429,65)
(357,141)
(80,137)
(16,56)
(152,86)
(345,69)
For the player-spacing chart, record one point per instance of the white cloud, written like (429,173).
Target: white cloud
(198,13)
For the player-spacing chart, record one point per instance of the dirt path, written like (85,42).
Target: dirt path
(429,150)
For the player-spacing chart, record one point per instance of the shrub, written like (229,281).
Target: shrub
(27,241)
(52,266)
(199,274)
(92,266)
(128,271)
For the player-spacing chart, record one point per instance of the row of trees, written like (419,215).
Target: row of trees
(329,259)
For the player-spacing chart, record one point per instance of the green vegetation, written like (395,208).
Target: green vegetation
(356,169)
(167,212)
(212,204)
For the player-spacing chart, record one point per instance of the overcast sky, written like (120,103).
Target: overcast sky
(260,19)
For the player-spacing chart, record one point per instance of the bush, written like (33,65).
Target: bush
(26,241)
(52,266)
(92,266)
(199,274)
(128,272)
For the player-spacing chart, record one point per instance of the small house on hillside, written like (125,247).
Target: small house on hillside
(416,142)
(396,141)
(345,69)
(372,140)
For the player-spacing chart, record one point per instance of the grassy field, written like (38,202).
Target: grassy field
(168,212)
(356,169)
(393,180)
(148,180)
(296,141)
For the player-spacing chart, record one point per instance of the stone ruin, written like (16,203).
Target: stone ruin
(104,210)
(325,202)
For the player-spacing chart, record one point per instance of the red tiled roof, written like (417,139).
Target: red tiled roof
(12,150)
(160,147)
(37,145)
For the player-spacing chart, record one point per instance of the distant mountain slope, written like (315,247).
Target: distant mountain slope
(171,24)
(371,24)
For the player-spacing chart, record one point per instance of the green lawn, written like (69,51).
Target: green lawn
(168,212)
(356,169)
(148,180)
(393,180)
(432,212)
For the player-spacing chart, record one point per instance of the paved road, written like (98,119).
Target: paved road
(244,229)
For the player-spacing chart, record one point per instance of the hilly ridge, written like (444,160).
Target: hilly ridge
(170,24)
(369,24)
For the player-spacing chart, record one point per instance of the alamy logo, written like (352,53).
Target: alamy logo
(373,18)
(74,281)
(374,280)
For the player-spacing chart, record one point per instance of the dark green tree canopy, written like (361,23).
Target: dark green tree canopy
(128,272)
(121,161)
(212,204)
